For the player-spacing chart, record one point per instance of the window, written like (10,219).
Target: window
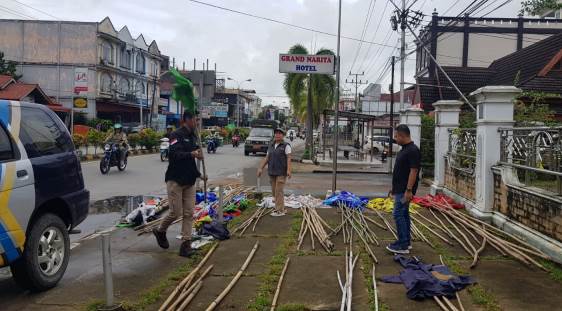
(125,58)
(41,135)
(105,83)
(141,88)
(140,63)
(107,52)
(124,86)
(6,148)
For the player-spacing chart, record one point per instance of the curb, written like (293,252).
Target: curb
(91,157)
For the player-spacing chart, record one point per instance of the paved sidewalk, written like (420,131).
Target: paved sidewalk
(144,274)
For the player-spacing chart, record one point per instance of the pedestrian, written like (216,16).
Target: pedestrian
(278,161)
(405,178)
(180,182)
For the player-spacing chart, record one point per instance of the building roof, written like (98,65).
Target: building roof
(530,69)
(4,80)
(18,91)
(526,63)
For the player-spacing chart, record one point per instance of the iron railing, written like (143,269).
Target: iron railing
(462,150)
(536,154)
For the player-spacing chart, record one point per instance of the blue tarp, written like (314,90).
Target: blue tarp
(349,199)
(199,197)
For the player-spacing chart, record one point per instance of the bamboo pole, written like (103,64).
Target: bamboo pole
(456,293)
(190,297)
(188,291)
(443,307)
(375,290)
(187,279)
(432,231)
(223,294)
(449,304)
(278,290)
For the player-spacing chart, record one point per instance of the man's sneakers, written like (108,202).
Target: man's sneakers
(398,249)
(277,214)
(161,238)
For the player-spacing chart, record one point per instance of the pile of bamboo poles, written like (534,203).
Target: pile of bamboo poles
(254,219)
(232,191)
(353,221)
(315,226)
(186,290)
(473,235)
(347,294)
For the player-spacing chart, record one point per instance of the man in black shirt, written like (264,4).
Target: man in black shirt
(405,180)
(180,182)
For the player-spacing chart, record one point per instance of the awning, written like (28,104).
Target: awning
(58,108)
(109,107)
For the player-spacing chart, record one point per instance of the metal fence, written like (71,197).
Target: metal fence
(536,154)
(462,150)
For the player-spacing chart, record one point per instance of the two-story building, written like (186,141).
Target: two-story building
(87,62)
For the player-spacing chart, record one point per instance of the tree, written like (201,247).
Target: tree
(8,68)
(538,7)
(310,92)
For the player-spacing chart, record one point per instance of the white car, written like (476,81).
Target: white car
(379,144)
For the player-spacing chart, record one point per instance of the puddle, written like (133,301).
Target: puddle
(118,204)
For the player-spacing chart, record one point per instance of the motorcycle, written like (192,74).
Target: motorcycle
(212,145)
(235,141)
(164,146)
(291,137)
(111,158)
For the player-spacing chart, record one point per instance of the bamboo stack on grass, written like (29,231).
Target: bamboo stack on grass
(315,226)
(254,219)
(353,220)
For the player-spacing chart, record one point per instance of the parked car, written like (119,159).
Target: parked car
(379,144)
(42,194)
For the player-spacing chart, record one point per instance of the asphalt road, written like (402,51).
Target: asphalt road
(145,173)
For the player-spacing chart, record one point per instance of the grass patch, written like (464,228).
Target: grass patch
(155,293)
(481,296)
(293,307)
(554,270)
(269,279)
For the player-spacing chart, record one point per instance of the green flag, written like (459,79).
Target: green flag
(183,91)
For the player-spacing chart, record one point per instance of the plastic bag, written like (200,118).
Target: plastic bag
(348,199)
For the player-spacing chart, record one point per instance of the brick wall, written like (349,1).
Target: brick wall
(535,209)
(460,182)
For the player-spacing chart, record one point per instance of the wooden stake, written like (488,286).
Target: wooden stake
(276,296)
(223,294)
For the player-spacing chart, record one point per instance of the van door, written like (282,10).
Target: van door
(17,194)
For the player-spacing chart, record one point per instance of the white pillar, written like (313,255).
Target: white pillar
(446,118)
(494,110)
(412,118)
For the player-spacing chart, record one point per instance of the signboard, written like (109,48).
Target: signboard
(313,64)
(80,102)
(214,110)
(80,80)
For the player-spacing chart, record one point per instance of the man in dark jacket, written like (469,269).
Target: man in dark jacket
(180,181)
(278,161)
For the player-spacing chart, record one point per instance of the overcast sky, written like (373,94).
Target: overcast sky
(247,48)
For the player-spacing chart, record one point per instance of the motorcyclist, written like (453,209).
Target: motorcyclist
(120,139)
(169,131)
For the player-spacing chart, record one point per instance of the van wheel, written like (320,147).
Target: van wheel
(46,254)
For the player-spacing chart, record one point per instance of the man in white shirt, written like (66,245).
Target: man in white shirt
(278,160)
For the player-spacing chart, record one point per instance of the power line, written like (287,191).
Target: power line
(36,9)
(14,12)
(282,22)
(500,6)
(374,35)
(372,4)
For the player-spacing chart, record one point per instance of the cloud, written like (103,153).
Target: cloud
(244,47)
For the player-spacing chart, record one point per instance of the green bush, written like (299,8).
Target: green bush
(78,140)
(96,138)
(100,124)
(149,138)
(134,140)
(427,147)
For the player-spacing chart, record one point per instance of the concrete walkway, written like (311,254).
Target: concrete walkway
(145,274)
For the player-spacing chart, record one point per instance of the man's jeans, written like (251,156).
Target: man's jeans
(402,218)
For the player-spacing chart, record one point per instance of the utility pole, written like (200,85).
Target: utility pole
(403,21)
(337,108)
(357,82)
(391,129)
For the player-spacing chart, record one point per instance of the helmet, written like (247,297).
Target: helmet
(169,127)
(117,126)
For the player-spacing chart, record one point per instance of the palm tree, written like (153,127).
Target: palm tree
(310,94)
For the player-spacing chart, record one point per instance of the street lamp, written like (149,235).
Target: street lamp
(238,97)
